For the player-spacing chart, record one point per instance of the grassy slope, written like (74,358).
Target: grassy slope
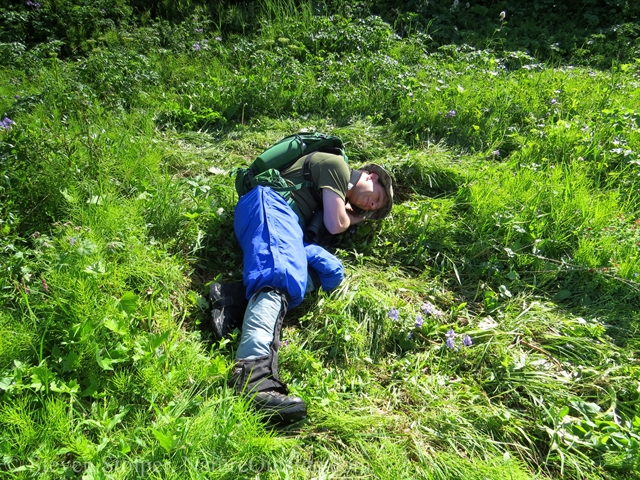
(516,219)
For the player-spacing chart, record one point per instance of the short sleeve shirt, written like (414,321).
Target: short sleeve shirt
(327,171)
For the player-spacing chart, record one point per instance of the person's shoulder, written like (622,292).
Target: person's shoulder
(330,160)
(326,157)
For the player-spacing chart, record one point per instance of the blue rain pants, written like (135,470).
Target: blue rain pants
(275,258)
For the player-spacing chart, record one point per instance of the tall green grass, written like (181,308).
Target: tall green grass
(516,223)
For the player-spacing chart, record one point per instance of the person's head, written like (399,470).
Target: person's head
(372,195)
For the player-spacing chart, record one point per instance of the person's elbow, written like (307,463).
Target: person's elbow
(337,224)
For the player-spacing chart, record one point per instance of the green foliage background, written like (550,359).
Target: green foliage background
(514,144)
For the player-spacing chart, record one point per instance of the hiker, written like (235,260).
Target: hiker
(280,267)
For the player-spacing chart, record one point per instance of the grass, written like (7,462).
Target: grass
(516,223)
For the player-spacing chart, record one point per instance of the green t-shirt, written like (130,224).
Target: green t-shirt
(327,171)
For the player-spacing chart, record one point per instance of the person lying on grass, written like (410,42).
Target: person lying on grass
(280,267)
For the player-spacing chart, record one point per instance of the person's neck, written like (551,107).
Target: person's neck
(353,181)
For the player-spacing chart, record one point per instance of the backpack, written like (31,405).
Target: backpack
(265,170)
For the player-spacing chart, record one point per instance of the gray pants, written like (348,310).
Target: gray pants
(259,324)
(256,368)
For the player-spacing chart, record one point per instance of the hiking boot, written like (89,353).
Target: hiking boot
(279,407)
(228,303)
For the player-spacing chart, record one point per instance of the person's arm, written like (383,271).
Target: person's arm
(336,217)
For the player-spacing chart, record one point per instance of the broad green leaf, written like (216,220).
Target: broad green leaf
(71,388)
(165,441)
(105,363)
(86,247)
(68,197)
(91,389)
(117,325)
(6,383)
(129,302)
(562,295)
(108,359)
(586,408)
(70,362)
(155,340)
(505,291)
(117,418)
(96,473)
(41,376)
(97,268)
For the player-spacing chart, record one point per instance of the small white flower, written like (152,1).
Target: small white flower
(502,15)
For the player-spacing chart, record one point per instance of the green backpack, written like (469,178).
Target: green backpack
(265,170)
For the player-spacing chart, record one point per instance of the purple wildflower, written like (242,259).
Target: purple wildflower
(394,314)
(466,340)
(496,153)
(451,335)
(196,47)
(451,113)
(553,101)
(219,39)
(6,123)
(72,241)
(199,30)
(44,285)
(419,321)
(16,97)
(429,309)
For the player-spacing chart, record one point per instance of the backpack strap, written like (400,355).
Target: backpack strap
(306,174)
(306,169)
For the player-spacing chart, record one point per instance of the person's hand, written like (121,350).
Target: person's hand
(353,217)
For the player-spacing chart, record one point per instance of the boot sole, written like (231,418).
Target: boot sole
(285,416)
